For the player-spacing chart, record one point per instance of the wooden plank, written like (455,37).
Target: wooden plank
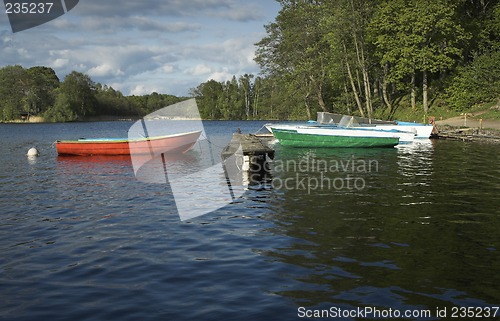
(251,146)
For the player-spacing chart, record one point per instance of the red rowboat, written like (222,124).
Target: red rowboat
(178,143)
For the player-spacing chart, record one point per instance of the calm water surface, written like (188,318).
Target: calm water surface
(83,239)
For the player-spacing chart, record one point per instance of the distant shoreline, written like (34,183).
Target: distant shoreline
(38,119)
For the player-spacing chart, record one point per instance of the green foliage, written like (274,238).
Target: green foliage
(42,95)
(111,102)
(26,92)
(492,113)
(61,111)
(475,83)
(79,90)
(296,50)
(367,57)
(370,54)
(413,36)
(267,98)
(38,91)
(155,101)
(218,100)
(13,88)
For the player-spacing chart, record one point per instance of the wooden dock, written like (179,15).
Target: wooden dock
(469,134)
(254,148)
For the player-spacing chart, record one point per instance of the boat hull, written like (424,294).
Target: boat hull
(294,138)
(423,131)
(418,131)
(405,135)
(179,143)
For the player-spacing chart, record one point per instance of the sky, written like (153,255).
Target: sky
(145,46)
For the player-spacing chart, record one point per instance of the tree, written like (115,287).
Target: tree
(42,94)
(479,18)
(345,23)
(209,99)
(79,90)
(233,105)
(61,111)
(417,36)
(13,88)
(295,49)
(476,83)
(246,87)
(112,102)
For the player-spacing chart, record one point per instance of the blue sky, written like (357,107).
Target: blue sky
(141,46)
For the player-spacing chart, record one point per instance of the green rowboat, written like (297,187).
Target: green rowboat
(333,139)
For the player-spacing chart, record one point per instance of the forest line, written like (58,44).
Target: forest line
(370,58)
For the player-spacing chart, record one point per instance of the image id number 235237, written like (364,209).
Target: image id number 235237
(27,7)
(474,312)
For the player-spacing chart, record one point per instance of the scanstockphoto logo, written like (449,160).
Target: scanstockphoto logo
(25,15)
(201,182)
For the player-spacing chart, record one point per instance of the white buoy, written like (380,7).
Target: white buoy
(33,152)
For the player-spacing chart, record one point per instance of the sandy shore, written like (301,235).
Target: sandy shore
(461,121)
(469,129)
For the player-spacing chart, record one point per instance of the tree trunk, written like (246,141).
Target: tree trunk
(366,79)
(308,107)
(424,89)
(247,103)
(347,102)
(321,102)
(368,94)
(255,104)
(385,96)
(360,55)
(358,80)
(354,90)
(413,92)
(319,92)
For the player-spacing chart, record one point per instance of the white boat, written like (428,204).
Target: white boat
(285,126)
(350,127)
(420,130)
(324,119)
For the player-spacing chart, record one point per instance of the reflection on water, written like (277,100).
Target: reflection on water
(422,232)
(83,238)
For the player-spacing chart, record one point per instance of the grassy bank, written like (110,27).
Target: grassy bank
(487,111)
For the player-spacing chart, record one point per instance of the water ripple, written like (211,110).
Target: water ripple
(84,240)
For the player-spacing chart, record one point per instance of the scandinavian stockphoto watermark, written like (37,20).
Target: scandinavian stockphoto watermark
(199,180)
(202,182)
(25,15)
(310,174)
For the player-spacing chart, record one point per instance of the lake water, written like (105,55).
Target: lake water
(412,228)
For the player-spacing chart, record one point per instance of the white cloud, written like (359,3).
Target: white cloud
(59,63)
(147,24)
(140,90)
(105,70)
(198,70)
(171,8)
(143,46)
(221,75)
(168,69)
(23,52)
